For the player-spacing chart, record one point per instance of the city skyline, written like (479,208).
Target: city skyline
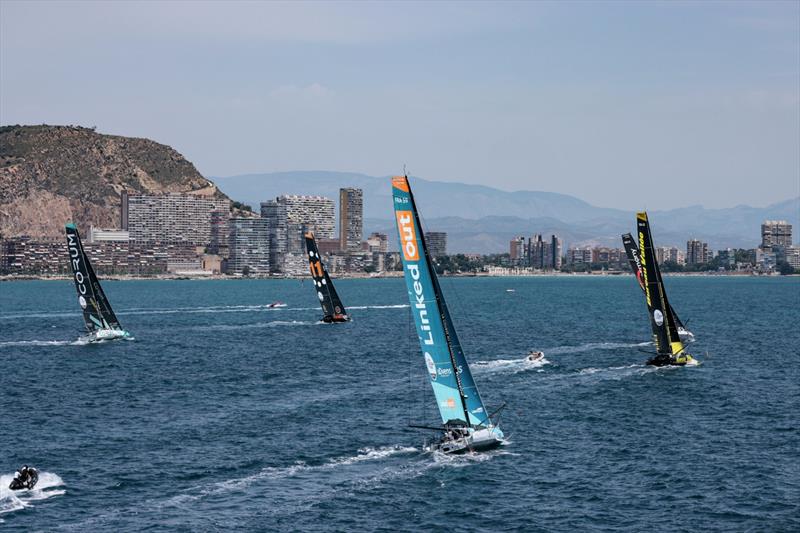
(588,99)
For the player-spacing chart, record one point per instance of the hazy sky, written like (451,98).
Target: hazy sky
(624,105)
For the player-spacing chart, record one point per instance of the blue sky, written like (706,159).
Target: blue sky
(623,104)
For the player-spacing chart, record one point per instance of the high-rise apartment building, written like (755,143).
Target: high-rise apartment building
(351,218)
(517,251)
(536,252)
(552,253)
(696,252)
(437,243)
(170,218)
(249,246)
(776,233)
(289,217)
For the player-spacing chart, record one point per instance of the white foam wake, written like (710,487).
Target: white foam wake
(592,346)
(510,365)
(396,306)
(280,472)
(79,342)
(256,325)
(11,500)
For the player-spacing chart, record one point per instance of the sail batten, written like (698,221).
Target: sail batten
(456,394)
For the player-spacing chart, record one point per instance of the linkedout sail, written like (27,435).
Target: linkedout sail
(661,318)
(632,250)
(456,393)
(97,312)
(328,298)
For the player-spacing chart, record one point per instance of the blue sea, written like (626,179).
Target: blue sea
(223,414)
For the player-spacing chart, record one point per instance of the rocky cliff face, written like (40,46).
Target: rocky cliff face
(50,175)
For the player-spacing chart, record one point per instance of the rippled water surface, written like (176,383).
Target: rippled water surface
(223,414)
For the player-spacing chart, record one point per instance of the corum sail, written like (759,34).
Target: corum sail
(669,347)
(101,322)
(465,419)
(632,250)
(328,298)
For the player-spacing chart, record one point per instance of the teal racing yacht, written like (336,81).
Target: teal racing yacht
(100,320)
(466,425)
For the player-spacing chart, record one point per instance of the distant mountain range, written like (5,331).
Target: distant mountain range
(480,219)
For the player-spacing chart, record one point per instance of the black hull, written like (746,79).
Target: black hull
(656,361)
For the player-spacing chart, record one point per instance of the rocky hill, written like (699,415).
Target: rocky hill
(53,174)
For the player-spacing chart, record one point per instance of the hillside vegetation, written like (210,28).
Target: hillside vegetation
(53,174)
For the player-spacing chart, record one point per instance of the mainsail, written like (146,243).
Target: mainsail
(665,328)
(97,312)
(455,390)
(632,250)
(328,298)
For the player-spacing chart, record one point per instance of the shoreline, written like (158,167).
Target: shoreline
(386,275)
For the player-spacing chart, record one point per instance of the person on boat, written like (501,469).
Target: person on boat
(535,356)
(24,476)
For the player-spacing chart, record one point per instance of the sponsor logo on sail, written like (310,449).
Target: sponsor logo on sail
(658,317)
(445,372)
(408,235)
(74,253)
(431,366)
(451,403)
(82,302)
(422,311)
(644,267)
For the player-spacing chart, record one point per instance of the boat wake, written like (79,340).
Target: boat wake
(283,472)
(256,325)
(592,346)
(47,487)
(78,342)
(617,372)
(513,366)
(397,306)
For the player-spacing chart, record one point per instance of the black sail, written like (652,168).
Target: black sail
(97,312)
(328,298)
(665,330)
(632,250)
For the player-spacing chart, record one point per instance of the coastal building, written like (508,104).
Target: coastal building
(727,257)
(793,257)
(696,252)
(552,253)
(579,256)
(437,243)
(378,242)
(170,218)
(98,235)
(248,247)
(41,256)
(351,218)
(517,251)
(288,218)
(776,233)
(536,252)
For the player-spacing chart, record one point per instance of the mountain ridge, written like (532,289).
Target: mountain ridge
(575,220)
